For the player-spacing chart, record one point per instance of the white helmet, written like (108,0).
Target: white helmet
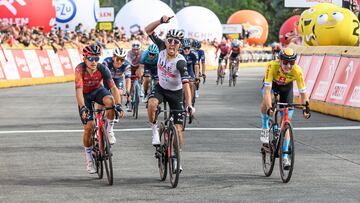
(120,52)
(136,44)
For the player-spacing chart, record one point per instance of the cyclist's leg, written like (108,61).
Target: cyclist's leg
(147,79)
(237,65)
(155,98)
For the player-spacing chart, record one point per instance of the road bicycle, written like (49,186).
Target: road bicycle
(168,152)
(221,72)
(102,154)
(135,98)
(277,133)
(232,72)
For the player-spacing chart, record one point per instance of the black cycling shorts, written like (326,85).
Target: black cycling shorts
(173,98)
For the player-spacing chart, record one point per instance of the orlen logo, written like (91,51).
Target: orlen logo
(9,5)
(65,10)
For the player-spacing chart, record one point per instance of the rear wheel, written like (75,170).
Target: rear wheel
(107,156)
(234,78)
(162,152)
(174,157)
(286,170)
(267,154)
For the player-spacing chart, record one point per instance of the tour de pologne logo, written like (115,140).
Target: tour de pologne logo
(65,10)
(9,5)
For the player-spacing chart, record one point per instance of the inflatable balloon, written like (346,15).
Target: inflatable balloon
(254,23)
(73,12)
(35,13)
(289,30)
(199,23)
(137,14)
(329,24)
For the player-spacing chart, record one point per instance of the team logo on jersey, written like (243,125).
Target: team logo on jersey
(65,10)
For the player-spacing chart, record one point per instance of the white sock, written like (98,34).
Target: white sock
(88,154)
(110,126)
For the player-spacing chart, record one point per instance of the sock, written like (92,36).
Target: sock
(110,126)
(285,147)
(265,121)
(88,154)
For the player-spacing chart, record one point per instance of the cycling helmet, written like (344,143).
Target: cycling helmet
(235,43)
(196,44)
(287,54)
(177,34)
(120,52)
(223,42)
(92,49)
(153,49)
(186,42)
(136,44)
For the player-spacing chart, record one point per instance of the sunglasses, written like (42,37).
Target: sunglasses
(151,54)
(288,62)
(93,58)
(172,40)
(136,46)
(186,48)
(119,59)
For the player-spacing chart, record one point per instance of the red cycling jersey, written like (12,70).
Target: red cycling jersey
(92,82)
(224,49)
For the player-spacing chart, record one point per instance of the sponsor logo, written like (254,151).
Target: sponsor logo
(355,96)
(338,92)
(65,10)
(321,89)
(21,64)
(9,5)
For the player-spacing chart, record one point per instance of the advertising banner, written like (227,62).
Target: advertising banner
(324,79)
(353,98)
(10,68)
(45,63)
(33,63)
(65,62)
(313,72)
(21,63)
(345,74)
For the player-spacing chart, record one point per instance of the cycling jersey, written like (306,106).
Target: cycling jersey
(200,54)
(235,51)
(150,66)
(133,59)
(172,72)
(88,82)
(191,61)
(223,49)
(117,73)
(275,74)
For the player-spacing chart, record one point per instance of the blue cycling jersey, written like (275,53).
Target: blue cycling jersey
(116,73)
(200,54)
(147,61)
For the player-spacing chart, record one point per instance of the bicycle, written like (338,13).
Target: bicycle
(274,149)
(167,153)
(232,71)
(101,145)
(221,72)
(135,97)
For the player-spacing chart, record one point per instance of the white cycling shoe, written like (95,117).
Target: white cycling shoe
(264,136)
(90,167)
(112,138)
(155,134)
(286,164)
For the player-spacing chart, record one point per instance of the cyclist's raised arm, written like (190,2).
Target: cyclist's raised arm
(149,29)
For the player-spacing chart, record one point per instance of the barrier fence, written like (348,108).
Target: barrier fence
(332,76)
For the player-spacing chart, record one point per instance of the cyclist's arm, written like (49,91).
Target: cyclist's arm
(203,65)
(196,66)
(267,97)
(149,29)
(116,94)
(128,78)
(267,86)
(181,66)
(107,78)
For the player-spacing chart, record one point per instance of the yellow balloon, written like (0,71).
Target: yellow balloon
(329,24)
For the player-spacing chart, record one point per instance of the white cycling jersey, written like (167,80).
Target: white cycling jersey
(169,76)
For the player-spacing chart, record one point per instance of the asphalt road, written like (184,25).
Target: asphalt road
(42,160)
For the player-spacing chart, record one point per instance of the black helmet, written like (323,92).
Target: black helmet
(287,54)
(196,44)
(92,49)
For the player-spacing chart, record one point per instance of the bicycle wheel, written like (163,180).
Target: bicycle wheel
(96,156)
(165,111)
(267,154)
(174,157)
(184,122)
(107,156)
(136,102)
(286,171)
(234,78)
(230,76)
(162,152)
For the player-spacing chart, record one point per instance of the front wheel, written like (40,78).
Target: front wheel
(174,157)
(286,167)
(162,152)
(268,154)
(107,156)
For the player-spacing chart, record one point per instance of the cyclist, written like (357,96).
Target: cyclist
(192,66)
(89,76)
(279,78)
(224,53)
(201,58)
(235,54)
(119,67)
(134,56)
(173,78)
(148,63)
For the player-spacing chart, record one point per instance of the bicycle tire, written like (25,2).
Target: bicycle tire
(107,156)
(230,76)
(234,80)
(184,122)
(268,151)
(165,111)
(162,153)
(173,143)
(96,156)
(286,173)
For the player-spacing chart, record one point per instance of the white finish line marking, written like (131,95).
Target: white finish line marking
(187,129)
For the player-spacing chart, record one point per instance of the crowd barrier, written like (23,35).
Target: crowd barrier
(20,66)
(332,76)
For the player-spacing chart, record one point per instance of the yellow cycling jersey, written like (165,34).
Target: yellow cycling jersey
(275,74)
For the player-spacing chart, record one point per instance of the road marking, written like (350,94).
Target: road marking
(187,129)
